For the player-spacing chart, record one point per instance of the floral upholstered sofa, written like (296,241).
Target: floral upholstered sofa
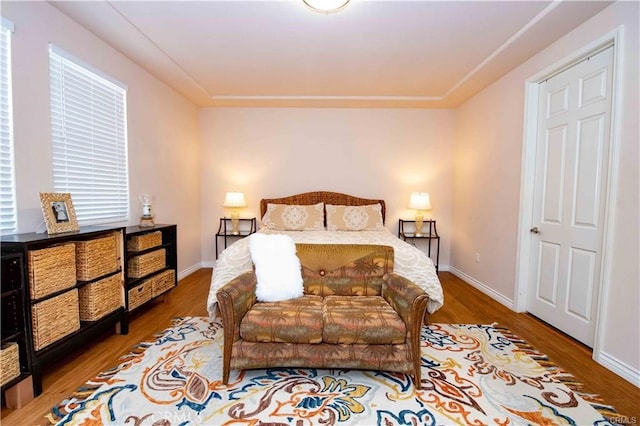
(355,314)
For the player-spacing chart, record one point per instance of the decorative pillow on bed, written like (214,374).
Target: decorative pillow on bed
(277,267)
(290,217)
(354,218)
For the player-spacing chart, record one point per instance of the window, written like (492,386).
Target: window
(89,139)
(8,218)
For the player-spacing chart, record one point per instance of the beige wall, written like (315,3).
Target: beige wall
(486,186)
(368,153)
(162,125)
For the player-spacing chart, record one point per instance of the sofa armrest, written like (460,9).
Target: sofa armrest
(408,300)
(234,300)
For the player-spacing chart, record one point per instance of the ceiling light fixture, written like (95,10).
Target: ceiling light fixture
(326,6)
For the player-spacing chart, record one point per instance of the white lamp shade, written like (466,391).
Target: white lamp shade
(234,199)
(420,201)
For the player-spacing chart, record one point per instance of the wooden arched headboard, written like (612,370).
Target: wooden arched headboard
(326,197)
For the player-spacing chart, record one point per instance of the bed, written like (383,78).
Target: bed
(323,212)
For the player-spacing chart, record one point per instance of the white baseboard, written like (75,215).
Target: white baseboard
(190,270)
(620,368)
(208,264)
(482,287)
(443,268)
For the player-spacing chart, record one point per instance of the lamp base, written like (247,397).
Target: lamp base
(146,222)
(235,222)
(419,221)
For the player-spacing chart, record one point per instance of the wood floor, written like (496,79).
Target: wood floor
(463,304)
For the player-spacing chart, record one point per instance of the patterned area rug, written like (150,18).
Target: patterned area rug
(472,374)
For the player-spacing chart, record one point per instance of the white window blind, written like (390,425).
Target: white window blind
(8,218)
(89,138)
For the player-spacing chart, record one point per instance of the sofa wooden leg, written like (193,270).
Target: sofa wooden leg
(225,374)
(417,379)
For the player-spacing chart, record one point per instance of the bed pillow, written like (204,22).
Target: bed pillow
(291,217)
(354,218)
(277,267)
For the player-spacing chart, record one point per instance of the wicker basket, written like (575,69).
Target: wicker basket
(145,241)
(55,318)
(9,362)
(51,269)
(162,282)
(140,294)
(100,298)
(96,257)
(145,264)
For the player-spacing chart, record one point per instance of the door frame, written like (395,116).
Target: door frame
(530,125)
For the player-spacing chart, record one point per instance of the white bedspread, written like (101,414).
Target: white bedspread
(409,261)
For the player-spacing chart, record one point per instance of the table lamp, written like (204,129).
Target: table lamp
(235,200)
(419,201)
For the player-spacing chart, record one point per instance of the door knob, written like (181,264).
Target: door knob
(535,230)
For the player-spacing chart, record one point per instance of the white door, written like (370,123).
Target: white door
(568,208)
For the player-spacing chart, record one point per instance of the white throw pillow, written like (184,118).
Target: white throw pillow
(277,267)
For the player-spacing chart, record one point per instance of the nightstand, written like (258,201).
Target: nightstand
(246,227)
(429,233)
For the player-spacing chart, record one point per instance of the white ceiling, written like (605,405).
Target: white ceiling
(370,54)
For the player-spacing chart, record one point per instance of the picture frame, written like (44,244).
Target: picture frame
(58,211)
